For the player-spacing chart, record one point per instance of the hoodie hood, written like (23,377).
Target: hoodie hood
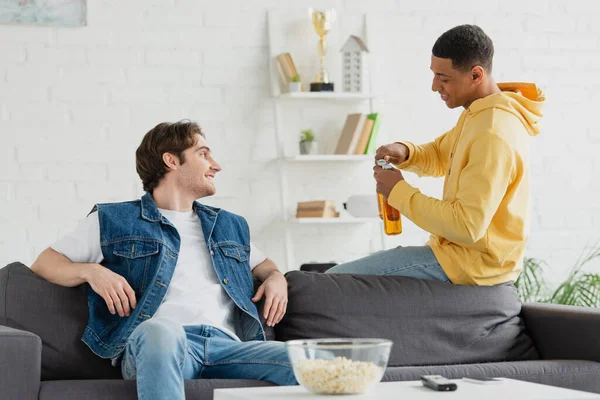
(524,100)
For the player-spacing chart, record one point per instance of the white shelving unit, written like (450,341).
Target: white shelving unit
(325,96)
(281,24)
(329,158)
(341,220)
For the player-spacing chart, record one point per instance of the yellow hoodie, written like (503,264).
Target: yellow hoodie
(481,226)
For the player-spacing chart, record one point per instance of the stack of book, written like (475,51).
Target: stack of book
(316,209)
(359,134)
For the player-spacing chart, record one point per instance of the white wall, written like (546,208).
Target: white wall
(75,102)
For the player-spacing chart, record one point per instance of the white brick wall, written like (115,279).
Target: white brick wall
(75,102)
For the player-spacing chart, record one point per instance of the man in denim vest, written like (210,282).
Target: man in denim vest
(170,280)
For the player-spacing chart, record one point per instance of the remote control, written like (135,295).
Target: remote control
(438,382)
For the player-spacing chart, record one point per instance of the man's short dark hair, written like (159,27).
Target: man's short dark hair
(166,137)
(467,46)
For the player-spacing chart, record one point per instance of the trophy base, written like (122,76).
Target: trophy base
(321,87)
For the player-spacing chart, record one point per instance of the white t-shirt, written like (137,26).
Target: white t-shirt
(195,295)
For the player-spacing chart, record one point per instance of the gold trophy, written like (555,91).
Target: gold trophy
(322,21)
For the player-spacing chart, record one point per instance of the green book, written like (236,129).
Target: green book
(372,146)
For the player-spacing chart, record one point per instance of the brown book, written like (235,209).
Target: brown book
(350,134)
(288,68)
(316,209)
(363,140)
(317,214)
(285,67)
(291,64)
(318,204)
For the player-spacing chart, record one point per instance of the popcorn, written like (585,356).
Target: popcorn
(338,376)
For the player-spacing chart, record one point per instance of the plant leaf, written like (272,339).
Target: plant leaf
(583,289)
(531,282)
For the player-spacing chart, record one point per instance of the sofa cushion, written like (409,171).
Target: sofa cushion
(430,322)
(58,315)
(578,375)
(195,389)
(570,374)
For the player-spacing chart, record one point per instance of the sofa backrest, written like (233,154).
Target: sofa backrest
(58,315)
(430,322)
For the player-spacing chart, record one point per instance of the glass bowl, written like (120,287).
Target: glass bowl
(338,366)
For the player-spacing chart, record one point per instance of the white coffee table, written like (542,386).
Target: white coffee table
(508,389)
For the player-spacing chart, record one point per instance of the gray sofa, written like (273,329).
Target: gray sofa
(437,328)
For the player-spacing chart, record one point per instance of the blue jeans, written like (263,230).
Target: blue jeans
(160,354)
(412,262)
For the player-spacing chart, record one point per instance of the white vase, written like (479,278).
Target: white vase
(295,87)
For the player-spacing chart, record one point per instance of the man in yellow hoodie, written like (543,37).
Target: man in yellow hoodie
(479,229)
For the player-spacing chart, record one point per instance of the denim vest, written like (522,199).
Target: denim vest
(141,245)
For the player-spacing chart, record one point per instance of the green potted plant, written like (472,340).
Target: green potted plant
(581,288)
(308,144)
(295,85)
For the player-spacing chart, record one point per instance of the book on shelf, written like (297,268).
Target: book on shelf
(359,134)
(317,209)
(350,134)
(363,140)
(287,66)
(372,144)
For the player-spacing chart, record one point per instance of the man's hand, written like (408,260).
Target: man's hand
(394,153)
(113,288)
(274,288)
(386,179)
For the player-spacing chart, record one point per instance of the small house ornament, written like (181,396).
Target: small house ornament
(354,65)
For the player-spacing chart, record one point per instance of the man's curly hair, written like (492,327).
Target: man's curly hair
(467,46)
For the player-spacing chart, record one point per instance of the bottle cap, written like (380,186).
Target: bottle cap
(381,162)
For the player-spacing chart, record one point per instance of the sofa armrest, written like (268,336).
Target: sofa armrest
(20,364)
(563,332)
